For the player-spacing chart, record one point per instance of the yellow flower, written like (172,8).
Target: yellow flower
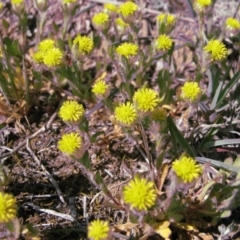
(110,7)
(16,1)
(146,99)
(69,143)
(120,23)
(84,44)
(100,87)
(1,6)
(45,45)
(100,19)
(216,50)
(202,4)
(169,18)
(232,23)
(163,42)
(71,111)
(187,169)
(190,91)
(126,113)
(127,50)
(8,207)
(128,9)
(98,230)
(38,56)
(52,57)
(139,194)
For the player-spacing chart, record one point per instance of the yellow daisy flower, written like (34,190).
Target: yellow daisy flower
(146,99)
(71,111)
(98,230)
(8,207)
(163,42)
(190,91)
(216,49)
(69,143)
(46,45)
(100,19)
(53,57)
(100,87)
(84,44)
(127,50)
(109,7)
(16,1)
(128,9)
(126,113)
(232,23)
(120,23)
(38,56)
(169,18)
(201,5)
(187,169)
(139,194)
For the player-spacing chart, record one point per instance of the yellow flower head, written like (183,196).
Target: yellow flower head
(216,49)
(38,56)
(127,50)
(69,1)
(83,43)
(168,18)
(100,19)
(8,207)
(109,7)
(187,169)
(69,143)
(98,230)
(126,113)
(146,99)
(128,9)
(53,57)
(140,194)
(190,91)
(45,45)
(100,87)
(1,5)
(232,23)
(16,1)
(71,111)
(163,42)
(120,23)
(202,4)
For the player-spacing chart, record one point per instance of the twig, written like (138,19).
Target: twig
(23,143)
(45,172)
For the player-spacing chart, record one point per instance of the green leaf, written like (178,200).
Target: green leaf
(98,178)
(85,160)
(221,142)
(178,137)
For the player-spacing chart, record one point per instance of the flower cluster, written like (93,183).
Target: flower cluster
(69,143)
(48,54)
(8,207)
(146,99)
(216,49)
(127,50)
(163,42)
(232,23)
(98,230)
(125,113)
(100,87)
(101,19)
(128,9)
(187,169)
(190,91)
(140,194)
(71,111)
(83,44)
